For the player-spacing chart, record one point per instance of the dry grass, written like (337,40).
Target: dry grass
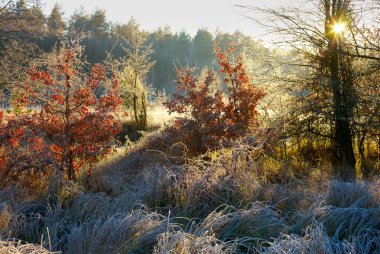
(16,247)
(135,232)
(159,116)
(341,194)
(153,199)
(185,243)
(314,240)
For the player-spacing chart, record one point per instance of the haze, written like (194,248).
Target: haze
(179,15)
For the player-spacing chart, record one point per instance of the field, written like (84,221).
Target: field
(151,198)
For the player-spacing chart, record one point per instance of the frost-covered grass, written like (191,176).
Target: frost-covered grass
(147,200)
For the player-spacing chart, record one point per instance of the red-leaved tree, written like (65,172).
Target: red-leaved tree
(71,125)
(215,117)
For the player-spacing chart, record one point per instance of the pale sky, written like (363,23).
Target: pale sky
(180,15)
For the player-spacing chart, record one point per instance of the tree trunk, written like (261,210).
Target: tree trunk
(345,158)
(135,100)
(144,120)
(344,165)
(361,150)
(70,168)
(67,151)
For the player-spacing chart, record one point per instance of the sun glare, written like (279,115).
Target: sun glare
(339,28)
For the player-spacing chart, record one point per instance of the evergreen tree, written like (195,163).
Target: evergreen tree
(98,24)
(56,25)
(203,47)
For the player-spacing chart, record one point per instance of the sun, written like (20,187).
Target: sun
(339,28)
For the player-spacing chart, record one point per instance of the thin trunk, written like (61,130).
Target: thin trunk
(361,149)
(70,167)
(144,121)
(135,99)
(285,149)
(67,153)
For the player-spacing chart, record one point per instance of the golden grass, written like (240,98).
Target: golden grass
(17,247)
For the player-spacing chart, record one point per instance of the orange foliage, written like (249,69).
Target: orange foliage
(73,128)
(216,119)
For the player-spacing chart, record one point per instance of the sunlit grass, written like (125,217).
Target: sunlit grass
(141,200)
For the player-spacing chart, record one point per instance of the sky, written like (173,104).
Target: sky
(180,15)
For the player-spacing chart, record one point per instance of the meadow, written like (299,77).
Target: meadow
(150,197)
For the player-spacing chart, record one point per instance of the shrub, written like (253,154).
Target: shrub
(216,118)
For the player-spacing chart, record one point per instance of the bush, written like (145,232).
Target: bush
(215,118)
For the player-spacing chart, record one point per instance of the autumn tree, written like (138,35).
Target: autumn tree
(215,118)
(75,127)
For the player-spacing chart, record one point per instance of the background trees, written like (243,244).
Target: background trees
(55,24)
(100,36)
(21,31)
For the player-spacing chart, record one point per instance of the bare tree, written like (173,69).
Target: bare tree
(325,36)
(139,64)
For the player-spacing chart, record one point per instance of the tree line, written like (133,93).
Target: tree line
(26,32)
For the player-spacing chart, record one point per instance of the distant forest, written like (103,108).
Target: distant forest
(102,37)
